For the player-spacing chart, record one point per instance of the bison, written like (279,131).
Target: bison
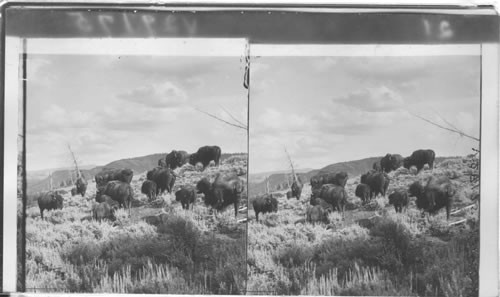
(81,186)
(334,195)
(176,159)
(391,162)
(317,213)
(49,201)
(264,204)
(223,192)
(289,194)
(434,196)
(297,188)
(419,158)
(102,211)
(204,155)
(336,178)
(164,179)
(73,192)
(186,195)
(377,181)
(399,199)
(118,191)
(109,174)
(363,191)
(149,188)
(162,163)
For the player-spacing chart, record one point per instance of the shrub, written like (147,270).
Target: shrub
(294,255)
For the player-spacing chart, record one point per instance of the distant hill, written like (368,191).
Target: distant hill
(63,177)
(353,168)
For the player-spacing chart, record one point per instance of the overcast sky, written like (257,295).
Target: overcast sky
(332,109)
(112,107)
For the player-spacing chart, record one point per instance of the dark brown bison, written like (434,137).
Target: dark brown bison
(223,192)
(149,189)
(399,199)
(317,214)
(81,186)
(176,159)
(109,174)
(205,154)
(377,181)
(363,192)
(73,192)
(186,196)
(162,163)
(376,166)
(118,191)
(289,194)
(336,178)
(334,195)
(49,201)
(264,204)
(164,179)
(297,188)
(391,162)
(102,211)
(434,196)
(419,158)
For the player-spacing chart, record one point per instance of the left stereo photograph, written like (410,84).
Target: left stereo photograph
(132,164)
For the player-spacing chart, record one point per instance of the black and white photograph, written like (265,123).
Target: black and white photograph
(364,171)
(136,167)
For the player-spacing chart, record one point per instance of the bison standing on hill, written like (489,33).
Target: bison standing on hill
(419,158)
(363,192)
(205,154)
(164,179)
(377,181)
(434,196)
(336,178)
(49,201)
(399,199)
(223,192)
(81,186)
(186,195)
(149,188)
(109,174)
(176,159)
(391,162)
(118,191)
(335,195)
(73,192)
(264,204)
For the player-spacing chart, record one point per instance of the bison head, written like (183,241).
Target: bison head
(193,159)
(204,186)
(58,200)
(407,162)
(416,189)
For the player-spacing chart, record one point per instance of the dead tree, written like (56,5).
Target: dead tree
(77,170)
(294,175)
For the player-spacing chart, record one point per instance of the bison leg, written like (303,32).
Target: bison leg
(257,216)
(41,213)
(236,204)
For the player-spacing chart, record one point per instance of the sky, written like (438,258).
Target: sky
(109,107)
(329,109)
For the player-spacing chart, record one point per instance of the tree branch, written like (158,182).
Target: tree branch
(235,119)
(224,121)
(446,128)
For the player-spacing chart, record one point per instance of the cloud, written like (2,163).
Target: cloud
(274,121)
(165,95)
(372,99)
(324,64)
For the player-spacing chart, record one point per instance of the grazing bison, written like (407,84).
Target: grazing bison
(162,163)
(149,188)
(264,204)
(363,192)
(334,195)
(73,191)
(186,195)
(164,179)
(176,159)
(391,162)
(81,186)
(377,181)
(438,193)
(223,192)
(317,214)
(376,166)
(297,188)
(399,199)
(109,174)
(50,200)
(336,178)
(205,154)
(102,211)
(419,158)
(118,191)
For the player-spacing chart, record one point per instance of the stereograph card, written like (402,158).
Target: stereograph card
(263,149)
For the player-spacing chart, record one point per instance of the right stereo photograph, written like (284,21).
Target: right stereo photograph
(364,171)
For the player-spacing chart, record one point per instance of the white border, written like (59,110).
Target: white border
(130,46)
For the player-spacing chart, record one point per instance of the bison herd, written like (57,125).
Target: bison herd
(328,189)
(114,190)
